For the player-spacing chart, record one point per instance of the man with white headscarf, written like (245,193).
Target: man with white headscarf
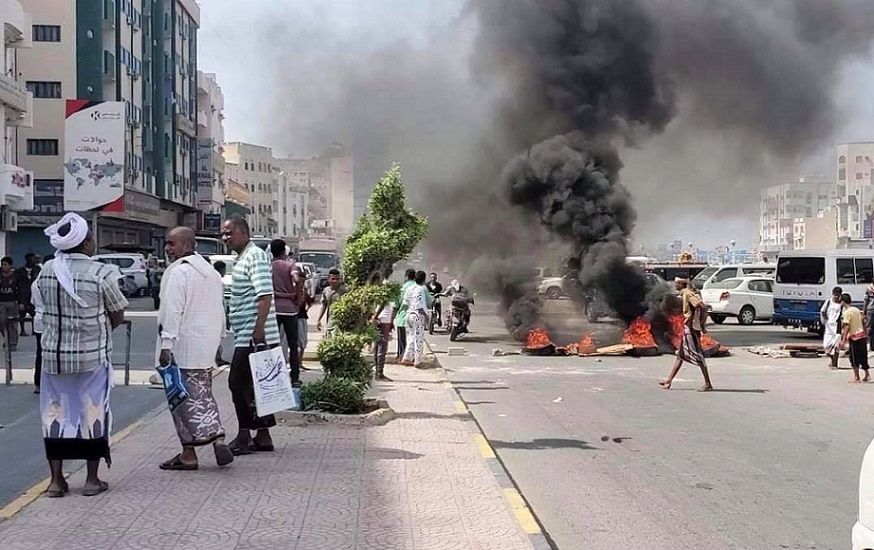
(81,304)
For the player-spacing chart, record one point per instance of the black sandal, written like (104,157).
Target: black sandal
(93,492)
(259,448)
(238,449)
(58,493)
(176,464)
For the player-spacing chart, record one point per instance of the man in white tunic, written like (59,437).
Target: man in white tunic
(830,315)
(191,322)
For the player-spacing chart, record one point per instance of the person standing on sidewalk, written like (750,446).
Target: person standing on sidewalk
(191,324)
(287,283)
(10,302)
(853,336)
(221,268)
(830,316)
(253,320)
(400,313)
(382,319)
(333,292)
(38,308)
(82,305)
(303,322)
(26,277)
(415,300)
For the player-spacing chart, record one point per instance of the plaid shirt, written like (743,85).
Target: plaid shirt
(75,338)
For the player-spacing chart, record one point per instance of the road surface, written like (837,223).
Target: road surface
(607,459)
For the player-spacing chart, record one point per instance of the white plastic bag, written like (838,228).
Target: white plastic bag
(272,383)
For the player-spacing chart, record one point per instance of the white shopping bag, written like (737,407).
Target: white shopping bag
(272,384)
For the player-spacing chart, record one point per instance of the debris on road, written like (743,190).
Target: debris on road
(455,351)
(765,351)
(498,352)
(557,400)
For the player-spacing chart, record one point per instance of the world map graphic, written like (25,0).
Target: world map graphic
(84,170)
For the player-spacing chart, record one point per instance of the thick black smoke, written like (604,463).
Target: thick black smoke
(512,280)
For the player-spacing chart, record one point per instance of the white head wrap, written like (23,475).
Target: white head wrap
(455,284)
(61,243)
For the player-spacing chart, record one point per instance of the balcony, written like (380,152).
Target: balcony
(184,125)
(16,25)
(13,94)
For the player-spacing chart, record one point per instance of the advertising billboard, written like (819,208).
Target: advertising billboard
(94,156)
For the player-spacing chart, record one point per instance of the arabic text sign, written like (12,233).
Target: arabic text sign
(204,163)
(94,154)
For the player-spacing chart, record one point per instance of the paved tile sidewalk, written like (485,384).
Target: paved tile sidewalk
(417,482)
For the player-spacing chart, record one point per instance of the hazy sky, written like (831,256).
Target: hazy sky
(254,51)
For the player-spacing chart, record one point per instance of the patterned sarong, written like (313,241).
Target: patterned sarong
(197,418)
(75,415)
(691,349)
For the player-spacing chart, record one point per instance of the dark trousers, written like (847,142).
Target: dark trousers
(290,325)
(243,392)
(37,362)
(870,326)
(859,354)
(402,341)
(380,348)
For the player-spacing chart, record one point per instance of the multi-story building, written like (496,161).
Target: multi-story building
(253,166)
(293,207)
(782,204)
(819,233)
(342,195)
(16,105)
(141,52)
(310,174)
(855,162)
(210,135)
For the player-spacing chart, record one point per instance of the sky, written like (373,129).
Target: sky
(285,65)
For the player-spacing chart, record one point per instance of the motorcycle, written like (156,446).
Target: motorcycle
(434,318)
(457,320)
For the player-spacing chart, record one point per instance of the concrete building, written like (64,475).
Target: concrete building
(141,52)
(16,106)
(253,167)
(293,197)
(342,202)
(855,162)
(781,205)
(210,166)
(819,233)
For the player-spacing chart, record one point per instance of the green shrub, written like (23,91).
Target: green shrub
(335,395)
(340,356)
(354,310)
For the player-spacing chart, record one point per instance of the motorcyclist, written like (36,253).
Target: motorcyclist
(461,300)
(436,290)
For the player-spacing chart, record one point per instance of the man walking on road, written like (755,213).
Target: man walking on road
(691,350)
(191,323)
(82,304)
(287,288)
(253,319)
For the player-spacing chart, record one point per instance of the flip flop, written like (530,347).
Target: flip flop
(223,454)
(102,488)
(239,450)
(176,463)
(58,493)
(259,448)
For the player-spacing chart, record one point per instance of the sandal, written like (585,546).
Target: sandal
(58,493)
(259,448)
(224,455)
(176,463)
(94,491)
(238,449)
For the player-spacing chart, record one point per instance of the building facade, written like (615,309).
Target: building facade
(293,208)
(855,162)
(141,52)
(781,205)
(210,166)
(16,107)
(254,167)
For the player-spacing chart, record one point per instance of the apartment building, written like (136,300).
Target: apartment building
(16,105)
(210,135)
(781,205)
(141,52)
(254,167)
(855,189)
(293,198)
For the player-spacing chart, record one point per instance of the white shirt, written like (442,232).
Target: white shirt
(414,298)
(36,300)
(387,311)
(192,315)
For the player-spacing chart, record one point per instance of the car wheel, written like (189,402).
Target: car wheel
(747,315)
(717,318)
(553,293)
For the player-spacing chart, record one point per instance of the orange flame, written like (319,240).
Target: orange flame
(639,334)
(537,339)
(678,324)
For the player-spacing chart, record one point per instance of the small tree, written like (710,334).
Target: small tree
(383,237)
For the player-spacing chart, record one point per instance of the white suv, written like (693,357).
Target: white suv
(131,265)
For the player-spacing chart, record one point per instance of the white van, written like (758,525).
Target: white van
(719,273)
(805,279)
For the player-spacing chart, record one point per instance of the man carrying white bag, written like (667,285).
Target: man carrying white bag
(273,391)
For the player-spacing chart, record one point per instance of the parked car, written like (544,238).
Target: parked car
(719,273)
(555,287)
(749,299)
(130,264)
(125,282)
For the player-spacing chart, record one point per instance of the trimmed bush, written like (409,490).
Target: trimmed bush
(334,395)
(340,356)
(353,311)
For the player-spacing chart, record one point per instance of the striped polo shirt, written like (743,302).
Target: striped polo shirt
(252,279)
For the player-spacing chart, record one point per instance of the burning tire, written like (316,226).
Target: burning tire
(717,318)
(747,316)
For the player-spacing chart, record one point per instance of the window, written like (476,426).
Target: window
(846,271)
(864,271)
(760,286)
(46,33)
(842,159)
(724,274)
(801,271)
(42,147)
(859,158)
(44,90)
(842,175)
(859,176)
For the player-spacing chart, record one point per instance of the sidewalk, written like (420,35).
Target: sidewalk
(420,481)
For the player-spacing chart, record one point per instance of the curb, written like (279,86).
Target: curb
(29,496)
(527,520)
(379,417)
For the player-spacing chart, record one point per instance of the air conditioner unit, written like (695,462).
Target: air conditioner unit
(130,70)
(8,220)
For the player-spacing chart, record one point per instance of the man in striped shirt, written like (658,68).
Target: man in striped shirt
(253,320)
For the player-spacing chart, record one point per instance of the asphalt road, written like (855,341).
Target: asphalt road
(607,459)
(21,447)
